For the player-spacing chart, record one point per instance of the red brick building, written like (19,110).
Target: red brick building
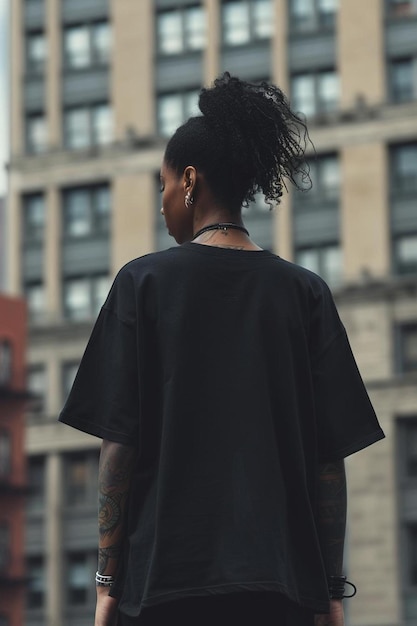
(13,398)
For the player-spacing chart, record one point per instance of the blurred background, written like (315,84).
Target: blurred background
(95,88)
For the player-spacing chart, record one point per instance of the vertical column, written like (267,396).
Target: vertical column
(283,219)
(54,582)
(214,30)
(132,85)
(53,76)
(52,254)
(16,78)
(365,211)
(133,228)
(361,54)
(13,240)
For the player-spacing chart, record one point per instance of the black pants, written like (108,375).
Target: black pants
(244,609)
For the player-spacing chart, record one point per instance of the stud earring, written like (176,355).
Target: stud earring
(188,200)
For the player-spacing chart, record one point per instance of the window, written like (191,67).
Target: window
(36,382)
(310,15)
(401,8)
(6,363)
(36,479)
(88,126)
(404,168)
(325,181)
(246,20)
(87,45)
(326,261)
(35,590)
(4,546)
(35,298)
(174,109)
(79,579)
(33,217)
(86,210)
(405,254)
(407,348)
(315,93)
(81,478)
(402,80)
(84,296)
(182,30)
(36,133)
(35,52)
(69,371)
(5,454)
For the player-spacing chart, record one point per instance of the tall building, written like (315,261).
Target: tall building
(97,87)
(13,398)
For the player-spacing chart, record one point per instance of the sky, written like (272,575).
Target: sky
(4,94)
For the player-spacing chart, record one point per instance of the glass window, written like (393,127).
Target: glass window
(77,214)
(102,124)
(36,382)
(101,42)
(35,297)
(78,579)
(408,348)
(77,128)
(404,167)
(77,47)
(328,91)
(170,114)
(33,217)
(263,19)
(35,52)
(36,479)
(236,23)
(400,8)
(77,478)
(6,362)
(410,439)
(405,254)
(191,104)
(5,539)
(101,287)
(102,207)
(35,590)
(402,80)
(326,11)
(36,133)
(169,29)
(303,94)
(77,299)
(69,372)
(327,172)
(326,261)
(195,28)
(5,453)
(302,14)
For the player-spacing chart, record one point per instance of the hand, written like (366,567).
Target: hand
(106,608)
(334,618)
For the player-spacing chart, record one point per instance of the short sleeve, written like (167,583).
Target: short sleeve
(346,420)
(104,399)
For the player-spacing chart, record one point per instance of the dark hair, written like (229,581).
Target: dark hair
(247,141)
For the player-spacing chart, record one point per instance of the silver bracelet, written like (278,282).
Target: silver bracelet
(104,581)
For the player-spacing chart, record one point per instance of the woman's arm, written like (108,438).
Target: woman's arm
(114,478)
(332,506)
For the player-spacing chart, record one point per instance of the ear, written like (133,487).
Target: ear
(189,179)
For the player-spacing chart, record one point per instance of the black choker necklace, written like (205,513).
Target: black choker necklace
(220,226)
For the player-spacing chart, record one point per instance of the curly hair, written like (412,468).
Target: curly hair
(246,141)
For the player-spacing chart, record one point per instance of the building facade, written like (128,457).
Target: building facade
(97,87)
(13,487)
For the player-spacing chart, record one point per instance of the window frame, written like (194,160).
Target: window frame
(30,234)
(403,366)
(400,185)
(98,226)
(90,110)
(398,97)
(94,59)
(316,23)
(184,35)
(32,147)
(91,281)
(253,37)
(320,250)
(182,96)
(317,100)
(32,65)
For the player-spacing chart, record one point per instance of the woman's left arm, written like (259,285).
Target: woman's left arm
(114,479)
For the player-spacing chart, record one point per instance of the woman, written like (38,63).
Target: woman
(221,381)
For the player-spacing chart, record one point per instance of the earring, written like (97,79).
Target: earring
(188,200)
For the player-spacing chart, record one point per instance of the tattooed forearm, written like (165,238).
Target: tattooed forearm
(115,467)
(332,503)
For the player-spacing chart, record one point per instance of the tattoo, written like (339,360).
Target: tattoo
(332,515)
(105,555)
(115,467)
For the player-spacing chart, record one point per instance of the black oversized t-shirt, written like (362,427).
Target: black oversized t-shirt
(231,374)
